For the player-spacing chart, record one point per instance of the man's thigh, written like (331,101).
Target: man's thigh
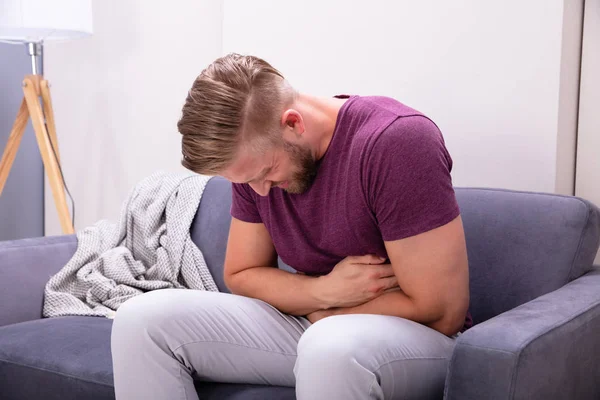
(215,336)
(378,356)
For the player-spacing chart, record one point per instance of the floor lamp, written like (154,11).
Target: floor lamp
(33,22)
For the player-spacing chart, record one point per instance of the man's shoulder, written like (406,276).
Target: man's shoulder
(385,105)
(380,118)
(396,126)
(409,139)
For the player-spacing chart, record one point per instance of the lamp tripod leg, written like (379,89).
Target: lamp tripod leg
(14,140)
(48,157)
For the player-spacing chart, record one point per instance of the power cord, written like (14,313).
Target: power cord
(63,178)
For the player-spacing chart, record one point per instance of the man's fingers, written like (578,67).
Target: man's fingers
(367,259)
(389,283)
(384,285)
(384,271)
(394,289)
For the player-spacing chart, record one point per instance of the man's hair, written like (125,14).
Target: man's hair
(236,99)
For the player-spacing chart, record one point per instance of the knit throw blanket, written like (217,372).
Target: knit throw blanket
(149,248)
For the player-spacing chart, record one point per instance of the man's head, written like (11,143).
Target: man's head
(237,122)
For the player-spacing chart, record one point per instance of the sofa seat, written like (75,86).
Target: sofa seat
(69,358)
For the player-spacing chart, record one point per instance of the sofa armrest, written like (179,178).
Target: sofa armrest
(25,267)
(547,348)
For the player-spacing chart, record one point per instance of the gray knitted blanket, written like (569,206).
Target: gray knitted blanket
(149,248)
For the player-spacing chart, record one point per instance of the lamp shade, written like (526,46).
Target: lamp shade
(43,20)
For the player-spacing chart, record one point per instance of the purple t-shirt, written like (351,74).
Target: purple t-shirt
(385,176)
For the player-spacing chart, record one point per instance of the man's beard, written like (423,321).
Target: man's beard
(305,168)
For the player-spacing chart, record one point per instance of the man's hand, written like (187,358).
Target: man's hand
(433,285)
(356,280)
(251,271)
(320,314)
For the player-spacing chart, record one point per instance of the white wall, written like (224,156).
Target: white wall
(568,101)
(588,144)
(117,97)
(489,73)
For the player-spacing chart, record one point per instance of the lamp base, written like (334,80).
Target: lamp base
(35,86)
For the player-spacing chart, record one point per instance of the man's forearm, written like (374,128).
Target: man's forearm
(396,303)
(290,293)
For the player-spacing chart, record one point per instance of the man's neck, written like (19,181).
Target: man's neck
(320,116)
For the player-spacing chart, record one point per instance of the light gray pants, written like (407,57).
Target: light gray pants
(163,340)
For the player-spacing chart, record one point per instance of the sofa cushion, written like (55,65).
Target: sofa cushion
(69,358)
(58,358)
(222,391)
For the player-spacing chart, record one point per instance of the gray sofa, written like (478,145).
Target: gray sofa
(535,300)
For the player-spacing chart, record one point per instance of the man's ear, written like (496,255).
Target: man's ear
(292,119)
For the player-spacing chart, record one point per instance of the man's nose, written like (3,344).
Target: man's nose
(262,188)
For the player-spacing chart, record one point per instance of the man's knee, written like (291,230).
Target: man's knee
(146,317)
(354,351)
(323,346)
(139,315)
(331,364)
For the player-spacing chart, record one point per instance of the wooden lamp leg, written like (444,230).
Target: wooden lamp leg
(49,114)
(14,140)
(50,162)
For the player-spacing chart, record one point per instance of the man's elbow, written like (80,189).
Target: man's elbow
(449,326)
(232,281)
(448,319)
(452,320)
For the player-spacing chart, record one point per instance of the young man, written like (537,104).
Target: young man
(354,193)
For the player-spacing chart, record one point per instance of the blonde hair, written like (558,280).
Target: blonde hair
(236,99)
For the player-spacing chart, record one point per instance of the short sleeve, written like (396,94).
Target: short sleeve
(408,179)
(243,205)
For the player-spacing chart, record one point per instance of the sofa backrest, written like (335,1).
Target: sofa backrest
(520,245)
(210,227)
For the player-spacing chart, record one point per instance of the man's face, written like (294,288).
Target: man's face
(289,166)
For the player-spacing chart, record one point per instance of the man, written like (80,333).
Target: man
(355,194)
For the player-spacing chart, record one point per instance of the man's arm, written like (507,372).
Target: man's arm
(433,275)
(251,270)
